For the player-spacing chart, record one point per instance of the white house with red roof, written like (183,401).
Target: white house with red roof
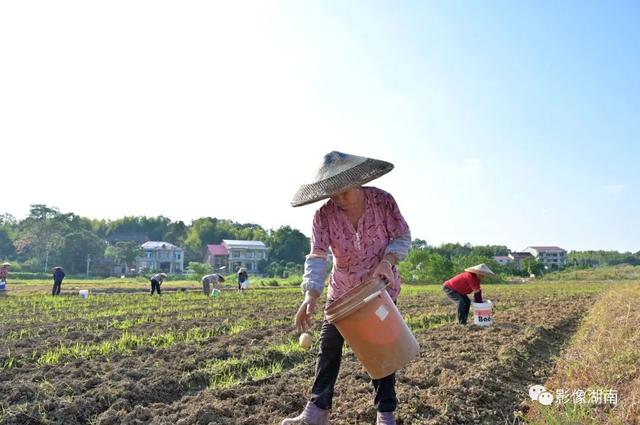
(233,254)
(217,257)
(550,256)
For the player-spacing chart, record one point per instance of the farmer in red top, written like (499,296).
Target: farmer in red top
(465,283)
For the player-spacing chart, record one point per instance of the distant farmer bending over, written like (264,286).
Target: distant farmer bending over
(465,283)
(211,280)
(156,281)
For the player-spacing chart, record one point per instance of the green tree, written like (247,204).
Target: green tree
(439,268)
(41,233)
(124,252)
(200,268)
(288,245)
(153,228)
(462,262)
(80,248)
(203,231)
(263,266)
(532,266)
(419,244)
(176,233)
(414,266)
(7,250)
(7,236)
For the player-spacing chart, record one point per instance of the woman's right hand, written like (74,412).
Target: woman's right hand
(304,315)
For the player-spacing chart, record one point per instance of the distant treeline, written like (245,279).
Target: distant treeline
(48,237)
(585,259)
(435,264)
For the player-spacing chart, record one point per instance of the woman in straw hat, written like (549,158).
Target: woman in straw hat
(465,283)
(367,236)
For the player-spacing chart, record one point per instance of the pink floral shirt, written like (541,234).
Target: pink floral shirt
(3,273)
(357,252)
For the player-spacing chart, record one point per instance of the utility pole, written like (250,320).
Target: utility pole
(88,262)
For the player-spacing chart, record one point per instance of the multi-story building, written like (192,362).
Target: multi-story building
(233,254)
(161,257)
(550,256)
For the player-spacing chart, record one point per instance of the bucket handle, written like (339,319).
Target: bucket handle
(332,318)
(372,296)
(361,303)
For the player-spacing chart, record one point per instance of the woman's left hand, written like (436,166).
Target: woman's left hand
(384,271)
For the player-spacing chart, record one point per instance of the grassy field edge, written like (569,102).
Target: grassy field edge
(596,380)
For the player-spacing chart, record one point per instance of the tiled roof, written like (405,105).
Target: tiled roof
(217,250)
(547,248)
(520,255)
(230,243)
(157,245)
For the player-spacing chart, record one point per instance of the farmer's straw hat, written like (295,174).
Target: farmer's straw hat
(337,173)
(480,269)
(6,264)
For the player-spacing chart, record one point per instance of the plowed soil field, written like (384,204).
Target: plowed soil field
(124,357)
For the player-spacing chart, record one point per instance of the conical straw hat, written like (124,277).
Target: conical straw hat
(337,173)
(480,269)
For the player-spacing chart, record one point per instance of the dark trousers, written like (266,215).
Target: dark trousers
(155,286)
(463,302)
(56,287)
(328,366)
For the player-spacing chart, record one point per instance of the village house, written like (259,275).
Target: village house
(550,256)
(161,257)
(230,255)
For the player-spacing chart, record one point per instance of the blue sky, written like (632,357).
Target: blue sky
(509,122)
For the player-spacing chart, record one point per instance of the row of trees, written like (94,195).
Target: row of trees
(437,264)
(48,237)
(585,259)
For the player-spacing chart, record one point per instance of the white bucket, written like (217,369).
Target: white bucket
(84,293)
(3,285)
(482,313)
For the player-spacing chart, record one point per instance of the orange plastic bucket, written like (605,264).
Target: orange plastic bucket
(370,322)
